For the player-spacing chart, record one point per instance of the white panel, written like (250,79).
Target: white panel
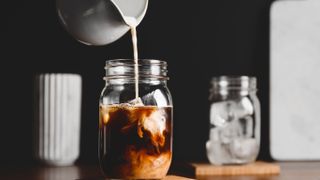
(294,80)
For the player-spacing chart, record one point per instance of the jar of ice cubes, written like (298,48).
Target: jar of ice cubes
(135,124)
(234,136)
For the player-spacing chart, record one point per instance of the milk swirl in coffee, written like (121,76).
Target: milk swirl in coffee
(139,142)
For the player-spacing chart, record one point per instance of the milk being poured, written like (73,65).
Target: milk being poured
(132,22)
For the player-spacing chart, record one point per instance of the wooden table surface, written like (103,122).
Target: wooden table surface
(289,171)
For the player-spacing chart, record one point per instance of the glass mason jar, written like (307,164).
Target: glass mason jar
(135,134)
(234,136)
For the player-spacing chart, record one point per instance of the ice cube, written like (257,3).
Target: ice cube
(217,152)
(135,102)
(230,131)
(222,112)
(156,98)
(244,148)
(225,111)
(243,108)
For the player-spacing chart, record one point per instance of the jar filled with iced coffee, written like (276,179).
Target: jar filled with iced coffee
(135,125)
(234,120)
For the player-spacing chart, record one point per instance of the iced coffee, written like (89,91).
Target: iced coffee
(135,141)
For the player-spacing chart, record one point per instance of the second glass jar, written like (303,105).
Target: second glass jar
(234,120)
(135,134)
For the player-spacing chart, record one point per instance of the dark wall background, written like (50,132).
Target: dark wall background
(198,39)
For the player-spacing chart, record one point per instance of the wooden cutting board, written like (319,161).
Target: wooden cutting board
(256,168)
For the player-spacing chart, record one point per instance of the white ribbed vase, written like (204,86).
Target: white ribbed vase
(57,118)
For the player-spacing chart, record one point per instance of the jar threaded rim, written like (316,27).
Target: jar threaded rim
(147,68)
(234,83)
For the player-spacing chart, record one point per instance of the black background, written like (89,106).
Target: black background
(199,39)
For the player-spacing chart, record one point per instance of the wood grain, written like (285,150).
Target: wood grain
(172,177)
(256,168)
